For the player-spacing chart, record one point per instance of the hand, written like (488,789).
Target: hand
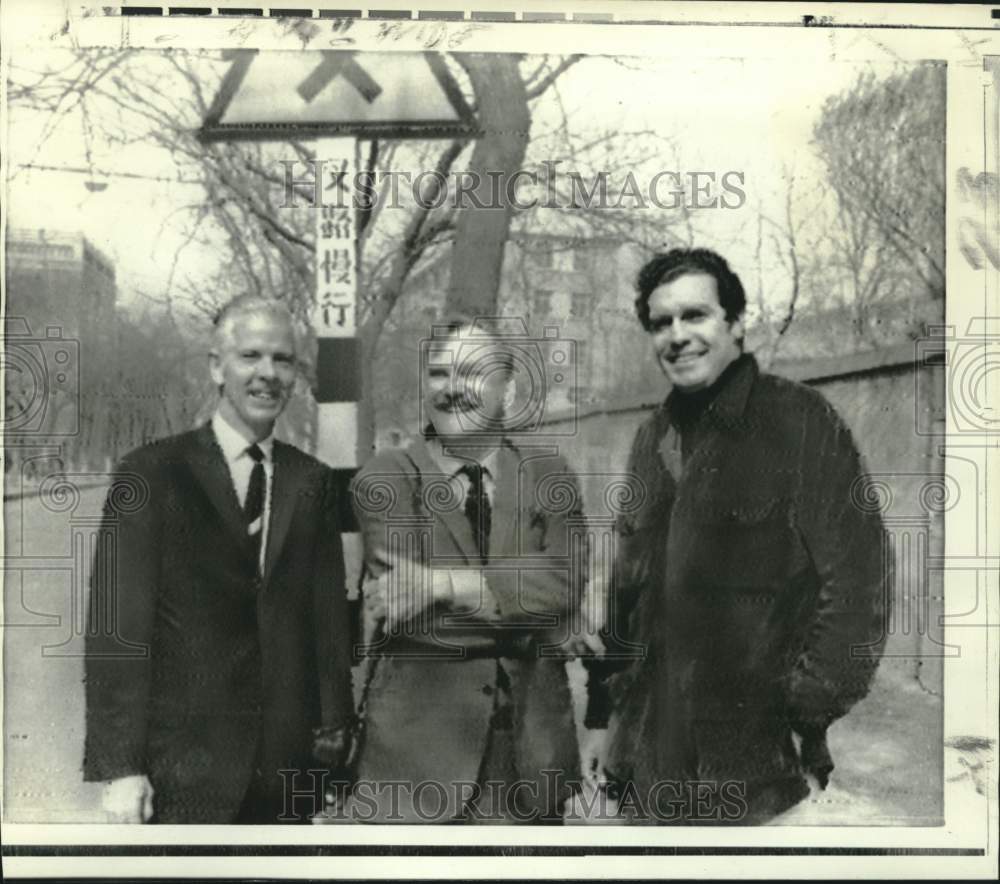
(402,592)
(128,799)
(815,754)
(372,611)
(593,749)
(584,644)
(466,592)
(330,746)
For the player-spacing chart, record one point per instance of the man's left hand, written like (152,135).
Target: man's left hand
(331,746)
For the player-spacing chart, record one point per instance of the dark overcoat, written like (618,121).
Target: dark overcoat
(198,667)
(429,700)
(755,580)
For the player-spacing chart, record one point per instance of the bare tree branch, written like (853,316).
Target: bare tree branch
(536,90)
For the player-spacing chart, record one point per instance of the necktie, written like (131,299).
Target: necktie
(253,508)
(477,509)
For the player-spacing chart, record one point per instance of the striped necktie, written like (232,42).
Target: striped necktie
(253,508)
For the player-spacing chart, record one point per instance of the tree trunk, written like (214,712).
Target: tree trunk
(480,234)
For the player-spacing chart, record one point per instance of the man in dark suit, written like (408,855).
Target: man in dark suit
(218,643)
(473,586)
(754,577)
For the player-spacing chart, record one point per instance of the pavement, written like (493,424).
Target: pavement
(888,750)
(888,755)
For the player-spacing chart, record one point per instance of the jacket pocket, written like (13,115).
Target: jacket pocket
(750,547)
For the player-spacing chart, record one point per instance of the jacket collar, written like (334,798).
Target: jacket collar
(726,408)
(233,443)
(504,466)
(286,488)
(208,464)
(452,517)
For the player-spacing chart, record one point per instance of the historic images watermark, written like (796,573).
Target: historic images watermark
(321,185)
(433,801)
(41,373)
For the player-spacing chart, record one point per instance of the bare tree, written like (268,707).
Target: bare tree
(160,99)
(787,235)
(791,268)
(882,142)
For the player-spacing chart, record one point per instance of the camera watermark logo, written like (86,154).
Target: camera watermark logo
(41,380)
(86,609)
(908,504)
(426,594)
(972,366)
(489,376)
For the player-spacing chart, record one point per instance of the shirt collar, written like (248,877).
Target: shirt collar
(449,463)
(234,444)
(729,399)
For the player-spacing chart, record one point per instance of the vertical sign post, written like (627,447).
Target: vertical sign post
(335,309)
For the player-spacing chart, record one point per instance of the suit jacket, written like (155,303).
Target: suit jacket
(428,706)
(756,578)
(197,665)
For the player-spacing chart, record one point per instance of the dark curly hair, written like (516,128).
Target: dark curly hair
(668,266)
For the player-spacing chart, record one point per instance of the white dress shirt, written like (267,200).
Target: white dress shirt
(450,466)
(235,450)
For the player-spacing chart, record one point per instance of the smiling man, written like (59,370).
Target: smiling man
(752,575)
(218,662)
(472,593)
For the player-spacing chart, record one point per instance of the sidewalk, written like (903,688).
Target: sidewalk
(888,756)
(888,750)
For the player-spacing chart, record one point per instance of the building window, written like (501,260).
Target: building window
(542,305)
(580,303)
(543,259)
(563,259)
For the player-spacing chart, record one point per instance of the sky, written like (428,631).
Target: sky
(752,116)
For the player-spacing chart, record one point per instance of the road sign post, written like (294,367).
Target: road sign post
(334,315)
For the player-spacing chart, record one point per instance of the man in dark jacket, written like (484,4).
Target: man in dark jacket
(753,577)
(218,651)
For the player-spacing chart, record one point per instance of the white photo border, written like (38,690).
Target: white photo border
(966,845)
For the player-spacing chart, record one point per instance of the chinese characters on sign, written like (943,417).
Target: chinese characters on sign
(336,270)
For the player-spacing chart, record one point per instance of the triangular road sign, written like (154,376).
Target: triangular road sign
(287,95)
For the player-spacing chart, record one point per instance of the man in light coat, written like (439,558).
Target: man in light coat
(470,576)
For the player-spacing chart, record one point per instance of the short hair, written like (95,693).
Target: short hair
(247,305)
(668,266)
